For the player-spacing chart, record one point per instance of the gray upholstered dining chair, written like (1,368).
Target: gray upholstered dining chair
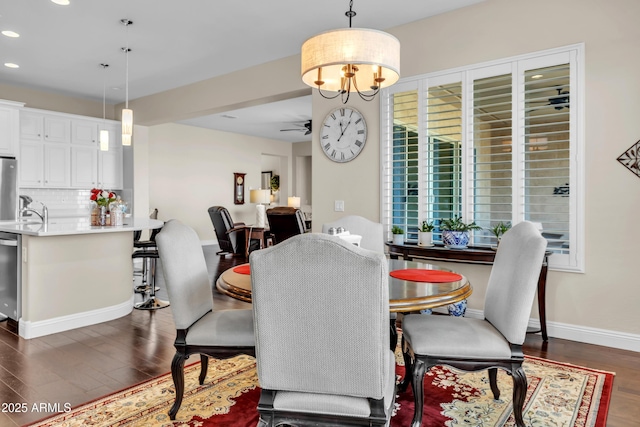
(371,232)
(201,329)
(476,344)
(321,315)
(373,239)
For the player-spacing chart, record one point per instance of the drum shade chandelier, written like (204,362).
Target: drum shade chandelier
(351,60)
(127,114)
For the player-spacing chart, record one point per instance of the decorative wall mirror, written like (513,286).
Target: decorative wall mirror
(265,182)
(238,188)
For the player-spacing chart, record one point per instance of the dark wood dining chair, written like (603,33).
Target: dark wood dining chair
(201,329)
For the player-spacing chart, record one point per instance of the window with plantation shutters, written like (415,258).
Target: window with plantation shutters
(401,165)
(495,142)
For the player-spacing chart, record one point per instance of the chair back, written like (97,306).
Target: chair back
(371,232)
(284,222)
(513,281)
(222,222)
(321,317)
(185,273)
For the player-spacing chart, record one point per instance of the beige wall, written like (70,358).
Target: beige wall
(606,296)
(191,169)
(56,102)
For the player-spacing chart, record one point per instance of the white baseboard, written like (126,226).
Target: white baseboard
(208,242)
(607,338)
(28,329)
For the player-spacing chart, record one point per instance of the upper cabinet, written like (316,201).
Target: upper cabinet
(84,132)
(62,151)
(39,127)
(9,127)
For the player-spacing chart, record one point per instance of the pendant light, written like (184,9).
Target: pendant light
(350,60)
(104,133)
(127,114)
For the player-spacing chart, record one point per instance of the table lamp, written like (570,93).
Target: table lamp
(261,198)
(293,202)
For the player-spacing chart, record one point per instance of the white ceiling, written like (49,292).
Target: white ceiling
(174,43)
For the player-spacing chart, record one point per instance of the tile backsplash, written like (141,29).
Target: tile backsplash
(60,202)
(63,203)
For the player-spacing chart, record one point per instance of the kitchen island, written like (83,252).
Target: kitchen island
(72,274)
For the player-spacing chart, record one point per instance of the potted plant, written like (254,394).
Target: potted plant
(425,233)
(398,235)
(499,229)
(275,187)
(455,232)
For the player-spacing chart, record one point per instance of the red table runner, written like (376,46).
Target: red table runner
(242,269)
(423,275)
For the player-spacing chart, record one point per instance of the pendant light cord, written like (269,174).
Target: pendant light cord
(104,91)
(126,89)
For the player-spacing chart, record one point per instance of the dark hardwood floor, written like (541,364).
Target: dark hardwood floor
(84,364)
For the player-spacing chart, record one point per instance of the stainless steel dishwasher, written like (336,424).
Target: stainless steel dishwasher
(10,276)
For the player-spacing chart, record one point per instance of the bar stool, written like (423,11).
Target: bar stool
(148,253)
(152,302)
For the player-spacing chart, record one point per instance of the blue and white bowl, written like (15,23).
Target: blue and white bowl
(455,239)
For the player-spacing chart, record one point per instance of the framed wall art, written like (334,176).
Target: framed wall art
(238,188)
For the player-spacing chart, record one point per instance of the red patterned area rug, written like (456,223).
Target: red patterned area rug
(558,395)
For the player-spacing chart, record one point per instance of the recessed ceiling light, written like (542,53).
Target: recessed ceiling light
(536,76)
(9,33)
(61,2)
(11,65)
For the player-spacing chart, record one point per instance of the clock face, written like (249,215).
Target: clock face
(343,134)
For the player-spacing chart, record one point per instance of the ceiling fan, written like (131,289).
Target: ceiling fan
(561,100)
(306,128)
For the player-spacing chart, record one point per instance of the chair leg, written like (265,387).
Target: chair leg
(393,335)
(408,369)
(519,393)
(177,372)
(417,384)
(493,382)
(204,364)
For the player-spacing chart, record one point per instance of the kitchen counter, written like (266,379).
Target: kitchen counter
(73,226)
(73,274)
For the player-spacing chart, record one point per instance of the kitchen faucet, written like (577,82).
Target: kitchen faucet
(44,216)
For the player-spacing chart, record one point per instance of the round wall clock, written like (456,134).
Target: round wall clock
(343,134)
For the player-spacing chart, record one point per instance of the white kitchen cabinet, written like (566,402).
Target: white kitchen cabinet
(57,168)
(84,166)
(62,151)
(84,132)
(110,169)
(44,165)
(42,127)
(31,164)
(31,126)
(9,128)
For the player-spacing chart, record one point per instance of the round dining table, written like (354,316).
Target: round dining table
(410,291)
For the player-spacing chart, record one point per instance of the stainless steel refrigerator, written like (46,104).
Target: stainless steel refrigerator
(8,189)
(9,242)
